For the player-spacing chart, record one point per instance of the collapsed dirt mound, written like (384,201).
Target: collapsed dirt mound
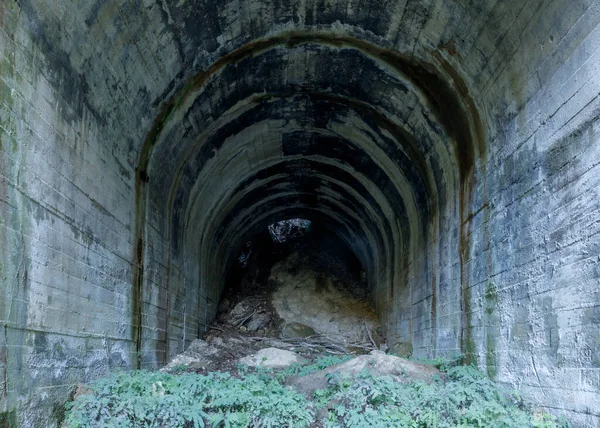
(322,303)
(297,309)
(218,354)
(273,358)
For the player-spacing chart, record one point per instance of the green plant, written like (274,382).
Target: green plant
(319,364)
(179,368)
(147,399)
(461,397)
(442,363)
(465,398)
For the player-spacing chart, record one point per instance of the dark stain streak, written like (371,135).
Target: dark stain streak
(73,86)
(474,214)
(441,94)
(450,47)
(143,175)
(466,338)
(138,270)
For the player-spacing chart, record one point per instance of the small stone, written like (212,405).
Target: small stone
(81,390)
(239,314)
(243,329)
(295,330)
(218,342)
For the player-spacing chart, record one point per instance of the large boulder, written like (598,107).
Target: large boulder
(377,363)
(273,358)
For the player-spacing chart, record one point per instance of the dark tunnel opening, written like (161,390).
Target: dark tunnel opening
(306,248)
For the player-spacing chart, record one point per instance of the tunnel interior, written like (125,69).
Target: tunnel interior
(444,152)
(373,148)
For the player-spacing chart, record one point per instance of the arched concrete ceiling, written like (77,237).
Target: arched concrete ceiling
(133,57)
(336,126)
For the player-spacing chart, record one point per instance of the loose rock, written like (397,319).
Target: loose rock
(297,330)
(272,358)
(82,390)
(376,363)
(257,322)
(199,354)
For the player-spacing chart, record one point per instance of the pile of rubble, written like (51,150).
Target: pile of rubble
(297,310)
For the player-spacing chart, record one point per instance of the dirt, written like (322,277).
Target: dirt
(323,303)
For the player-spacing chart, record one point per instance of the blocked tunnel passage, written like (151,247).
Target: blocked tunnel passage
(294,280)
(316,246)
(446,152)
(389,175)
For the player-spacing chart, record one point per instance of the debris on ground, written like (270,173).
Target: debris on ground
(81,390)
(299,347)
(297,309)
(296,330)
(199,355)
(322,303)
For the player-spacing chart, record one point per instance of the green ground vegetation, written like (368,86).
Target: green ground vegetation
(460,397)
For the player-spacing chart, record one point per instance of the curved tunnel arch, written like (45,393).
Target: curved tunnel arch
(408,136)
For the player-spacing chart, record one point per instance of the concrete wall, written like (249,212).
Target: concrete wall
(535,266)
(65,230)
(111,215)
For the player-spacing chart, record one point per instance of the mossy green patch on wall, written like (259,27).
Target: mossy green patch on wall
(491,301)
(9,15)
(491,298)
(469,350)
(58,414)
(467,342)
(490,356)
(8,419)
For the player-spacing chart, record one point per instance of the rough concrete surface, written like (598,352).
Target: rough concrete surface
(453,146)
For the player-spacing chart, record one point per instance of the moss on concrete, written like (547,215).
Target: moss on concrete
(491,297)
(490,356)
(8,419)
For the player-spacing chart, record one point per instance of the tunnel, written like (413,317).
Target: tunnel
(247,148)
(450,147)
